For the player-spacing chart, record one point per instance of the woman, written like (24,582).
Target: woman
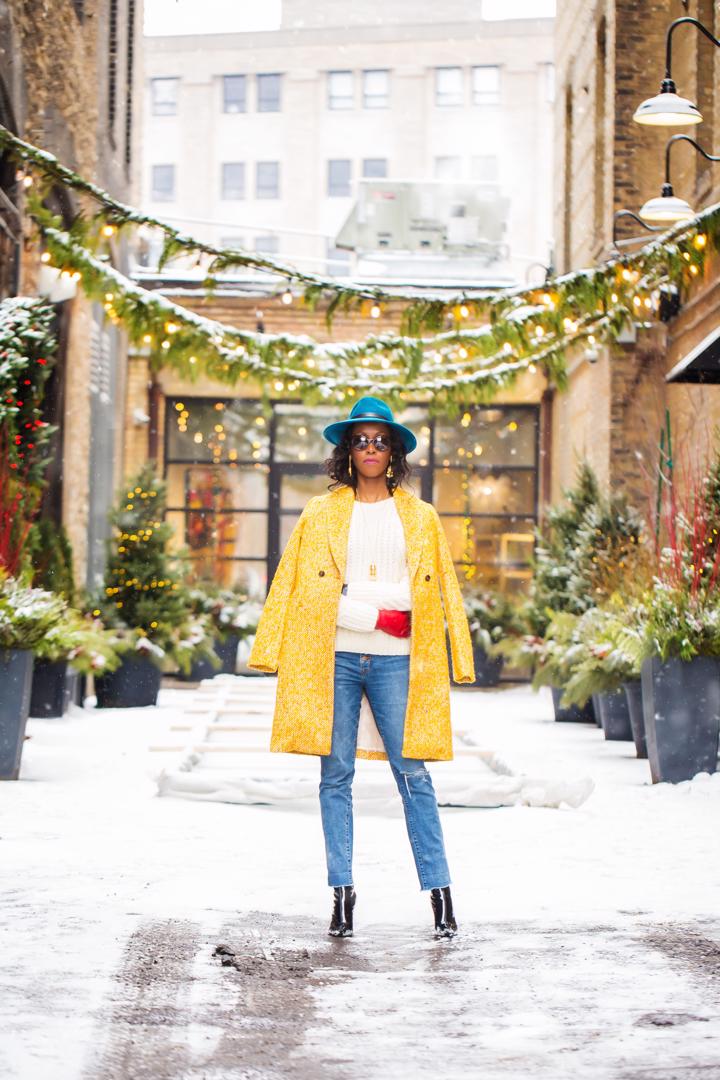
(353,623)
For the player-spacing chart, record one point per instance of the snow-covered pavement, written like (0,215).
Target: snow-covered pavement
(590,939)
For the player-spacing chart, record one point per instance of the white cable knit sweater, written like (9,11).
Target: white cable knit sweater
(376,539)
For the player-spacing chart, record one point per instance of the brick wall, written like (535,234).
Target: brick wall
(613,411)
(55,73)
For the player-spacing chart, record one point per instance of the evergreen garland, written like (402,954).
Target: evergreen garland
(518,330)
(27,351)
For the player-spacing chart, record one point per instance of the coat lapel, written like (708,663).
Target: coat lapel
(339,512)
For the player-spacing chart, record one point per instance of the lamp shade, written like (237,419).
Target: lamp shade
(666,210)
(667,110)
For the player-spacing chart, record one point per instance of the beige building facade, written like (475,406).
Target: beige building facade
(261,139)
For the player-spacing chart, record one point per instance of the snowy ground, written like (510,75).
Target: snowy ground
(590,940)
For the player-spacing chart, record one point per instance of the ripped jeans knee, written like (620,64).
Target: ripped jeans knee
(415,780)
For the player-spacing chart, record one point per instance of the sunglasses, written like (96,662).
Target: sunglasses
(361,442)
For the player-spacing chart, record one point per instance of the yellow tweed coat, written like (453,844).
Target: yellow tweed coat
(296,633)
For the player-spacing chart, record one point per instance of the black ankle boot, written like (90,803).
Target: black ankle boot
(341,923)
(441,901)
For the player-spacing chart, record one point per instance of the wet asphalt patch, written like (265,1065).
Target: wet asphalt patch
(269,997)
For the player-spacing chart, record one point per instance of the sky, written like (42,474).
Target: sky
(231,16)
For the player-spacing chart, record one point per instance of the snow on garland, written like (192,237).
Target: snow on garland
(522,329)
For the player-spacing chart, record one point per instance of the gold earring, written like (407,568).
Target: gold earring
(350,466)
(389,473)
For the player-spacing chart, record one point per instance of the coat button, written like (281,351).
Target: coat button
(427,577)
(321,573)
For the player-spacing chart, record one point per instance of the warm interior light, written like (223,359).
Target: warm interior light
(667,110)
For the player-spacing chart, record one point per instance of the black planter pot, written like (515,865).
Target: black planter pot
(633,693)
(15,678)
(579,714)
(53,687)
(595,698)
(200,669)
(135,684)
(487,668)
(227,651)
(615,716)
(681,706)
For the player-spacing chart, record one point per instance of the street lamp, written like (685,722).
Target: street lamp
(667,208)
(667,109)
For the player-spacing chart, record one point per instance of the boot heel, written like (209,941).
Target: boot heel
(442,906)
(341,922)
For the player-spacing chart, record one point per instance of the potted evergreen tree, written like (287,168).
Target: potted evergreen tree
(491,618)
(54,680)
(602,665)
(587,548)
(78,645)
(230,617)
(144,601)
(680,648)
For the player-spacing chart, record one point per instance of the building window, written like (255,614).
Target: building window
(267,245)
(484,169)
(234,93)
(268,93)
(486,85)
(340,90)
(267,180)
(163,183)
(232,243)
(233,180)
(164,96)
(339,176)
(448,86)
(447,168)
(485,490)
(375,167)
(376,89)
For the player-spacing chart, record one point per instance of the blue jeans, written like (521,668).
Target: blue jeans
(385,681)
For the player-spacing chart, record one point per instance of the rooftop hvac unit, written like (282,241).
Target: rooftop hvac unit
(436,217)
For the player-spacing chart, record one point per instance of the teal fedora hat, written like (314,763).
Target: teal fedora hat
(370,408)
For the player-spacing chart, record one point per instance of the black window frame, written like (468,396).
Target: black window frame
(423,476)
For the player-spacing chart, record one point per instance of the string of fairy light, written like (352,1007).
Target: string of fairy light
(478,344)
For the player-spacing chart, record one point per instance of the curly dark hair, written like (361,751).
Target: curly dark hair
(337,465)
